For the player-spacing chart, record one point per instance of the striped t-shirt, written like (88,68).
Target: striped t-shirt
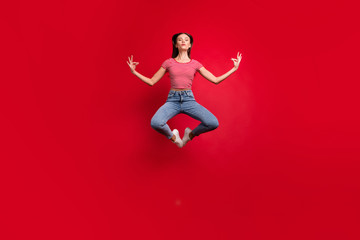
(181,74)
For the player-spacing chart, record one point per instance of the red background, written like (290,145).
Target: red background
(79,159)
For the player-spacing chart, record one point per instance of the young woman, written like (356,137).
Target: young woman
(182,70)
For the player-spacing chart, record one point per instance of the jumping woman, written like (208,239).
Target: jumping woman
(182,70)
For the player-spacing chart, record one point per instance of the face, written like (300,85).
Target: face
(183,42)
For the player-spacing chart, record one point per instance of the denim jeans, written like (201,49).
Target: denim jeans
(183,102)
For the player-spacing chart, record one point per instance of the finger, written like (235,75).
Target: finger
(131,57)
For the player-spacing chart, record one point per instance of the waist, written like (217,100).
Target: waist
(180,89)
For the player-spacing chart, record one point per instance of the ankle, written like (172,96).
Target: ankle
(191,136)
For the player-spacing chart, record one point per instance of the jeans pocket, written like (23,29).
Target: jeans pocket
(191,95)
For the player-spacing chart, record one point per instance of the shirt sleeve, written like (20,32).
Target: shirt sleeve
(199,65)
(165,64)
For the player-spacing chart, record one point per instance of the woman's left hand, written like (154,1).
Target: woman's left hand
(237,61)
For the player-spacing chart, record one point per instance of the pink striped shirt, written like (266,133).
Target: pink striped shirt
(181,74)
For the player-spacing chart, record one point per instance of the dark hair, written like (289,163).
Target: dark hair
(175,50)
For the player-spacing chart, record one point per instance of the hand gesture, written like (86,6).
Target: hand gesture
(237,61)
(132,64)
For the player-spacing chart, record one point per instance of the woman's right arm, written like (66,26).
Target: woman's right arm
(143,78)
(150,81)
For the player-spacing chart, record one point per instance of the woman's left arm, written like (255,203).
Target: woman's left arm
(209,76)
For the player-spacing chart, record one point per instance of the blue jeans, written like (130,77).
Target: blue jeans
(183,102)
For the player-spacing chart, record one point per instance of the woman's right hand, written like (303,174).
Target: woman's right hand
(132,64)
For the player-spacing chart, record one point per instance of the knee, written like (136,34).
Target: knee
(155,123)
(213,124)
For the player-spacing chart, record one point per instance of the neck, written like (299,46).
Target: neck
(182,56)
